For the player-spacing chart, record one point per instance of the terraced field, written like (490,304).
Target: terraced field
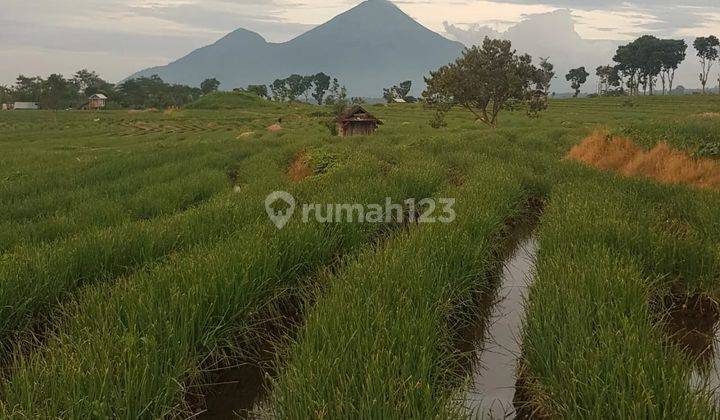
(140,276)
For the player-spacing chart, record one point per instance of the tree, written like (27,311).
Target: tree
(577,77)
(334,92)
(279,90)
(322,84)
(58,93)
(672,54)
(400,91)
(546,73)
(259,90)
(6,94)
(153,92)
(707,51)
(209,86)
(28,89)
(85,80)
(296,86)
(604,73)
(403,90)
(482,80)
(306,86)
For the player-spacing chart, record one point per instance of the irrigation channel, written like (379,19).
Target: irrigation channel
(497,342)
(694,324)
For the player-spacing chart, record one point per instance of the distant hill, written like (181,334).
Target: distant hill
(369,47)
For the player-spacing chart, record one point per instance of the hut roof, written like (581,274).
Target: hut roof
(357,113)
(98,96)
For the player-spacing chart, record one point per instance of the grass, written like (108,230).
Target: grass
(376,344)
(135,249)
(609,249)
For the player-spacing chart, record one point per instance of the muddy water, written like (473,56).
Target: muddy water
(493,383)
(695,327)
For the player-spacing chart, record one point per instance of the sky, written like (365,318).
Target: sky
(118,37)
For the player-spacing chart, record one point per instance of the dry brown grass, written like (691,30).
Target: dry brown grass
(299,168)
(662,163)
(709,115)
(245,135)
(275,127)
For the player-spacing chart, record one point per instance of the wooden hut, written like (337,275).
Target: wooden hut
(97,101)
(357,122)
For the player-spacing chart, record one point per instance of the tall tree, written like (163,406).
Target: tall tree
(707,51)
(296,86)
(577,77)
(322,84)
(673,52)
(483,80)
(85,79)
(333,93)
(546,73)
(279,90)
(209,86)
(604,74)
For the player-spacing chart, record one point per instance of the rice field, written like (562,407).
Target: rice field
(140,276)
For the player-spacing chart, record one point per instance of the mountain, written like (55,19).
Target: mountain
(368,48)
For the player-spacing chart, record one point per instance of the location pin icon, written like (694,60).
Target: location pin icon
(280,217)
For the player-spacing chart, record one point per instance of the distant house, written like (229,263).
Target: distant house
(96,101)
(25,106)
(399,100)
(356,121)
(8,107)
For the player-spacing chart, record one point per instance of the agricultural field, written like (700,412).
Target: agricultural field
(140,276)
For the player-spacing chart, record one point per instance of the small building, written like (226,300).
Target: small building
(8,107)
(356,121)
(97,101)
(25,106)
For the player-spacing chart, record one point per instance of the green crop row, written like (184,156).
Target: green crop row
(610,250)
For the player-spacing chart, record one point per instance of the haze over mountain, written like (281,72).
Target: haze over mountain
(369,47)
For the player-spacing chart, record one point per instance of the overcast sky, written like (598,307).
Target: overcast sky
(118,37)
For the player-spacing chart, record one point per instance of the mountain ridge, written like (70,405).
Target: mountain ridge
(369,47)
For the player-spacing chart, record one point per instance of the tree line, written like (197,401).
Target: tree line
(59,92)
(647,63)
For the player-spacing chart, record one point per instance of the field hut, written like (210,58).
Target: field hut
(95,102)
(357,122)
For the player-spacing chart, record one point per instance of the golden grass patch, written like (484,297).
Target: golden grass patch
(662,163)
(299,168)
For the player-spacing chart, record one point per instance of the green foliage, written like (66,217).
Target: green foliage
(709,150)
(228,100)
(209,86)
(483,80)
(153,92)
(321,82)
(259,90)
(577,77)
(708,50)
